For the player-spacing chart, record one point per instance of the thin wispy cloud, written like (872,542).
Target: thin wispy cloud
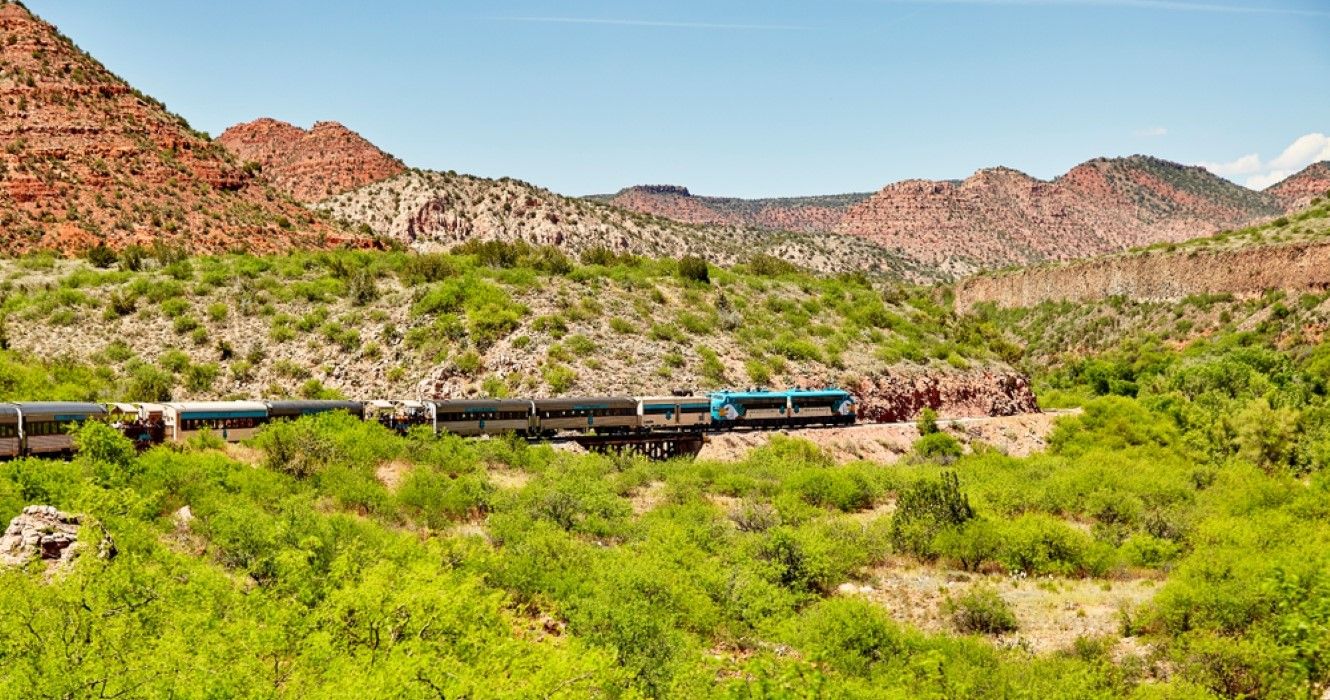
(1151,132)
(1165,5)
(649,23)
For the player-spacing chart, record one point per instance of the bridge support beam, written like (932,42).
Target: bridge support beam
(655,446)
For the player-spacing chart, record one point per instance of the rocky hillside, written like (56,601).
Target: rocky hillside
(806,214)
(1290,253)
(433,211)
(310,165)
(399,325)
(1000,217)
(1298,190)
(87,159)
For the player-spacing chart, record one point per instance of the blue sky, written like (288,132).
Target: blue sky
(745,97)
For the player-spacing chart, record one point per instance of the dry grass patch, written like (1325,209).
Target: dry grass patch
(1051,612)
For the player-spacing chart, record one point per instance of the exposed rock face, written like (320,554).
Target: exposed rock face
(1300,189)
(804,214)
(431,211)
(88,159)
(892,397)
(1000,217)
(1158,276)
(42,532)
(326,160)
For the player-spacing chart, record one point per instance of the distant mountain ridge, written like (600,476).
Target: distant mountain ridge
(88,160)
(804,214)
(998,216)
(428,210)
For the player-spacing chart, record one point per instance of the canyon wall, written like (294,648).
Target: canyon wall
(1157,276)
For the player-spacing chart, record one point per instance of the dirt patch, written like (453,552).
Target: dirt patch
(392,474)
(508,478)
(646,498)
(1052,612)
(244,454)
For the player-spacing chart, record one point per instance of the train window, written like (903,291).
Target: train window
(191,424)
(8,431)
(45,428)
(695,408)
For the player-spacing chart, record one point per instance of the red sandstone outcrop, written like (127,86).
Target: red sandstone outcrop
(312,165)
(1000,217)
(87,159)
(892,397)
(1300,189)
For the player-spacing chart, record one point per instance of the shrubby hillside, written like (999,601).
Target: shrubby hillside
(332,558)
(484,319)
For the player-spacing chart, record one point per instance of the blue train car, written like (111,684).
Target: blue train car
(795,407)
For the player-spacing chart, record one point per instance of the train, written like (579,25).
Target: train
(44,428)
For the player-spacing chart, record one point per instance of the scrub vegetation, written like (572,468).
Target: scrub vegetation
(332,558)
(482,319)
(497,569)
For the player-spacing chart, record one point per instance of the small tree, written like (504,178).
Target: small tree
(102,256)
(927,422)
(695,269)
(981,610)
(924,510)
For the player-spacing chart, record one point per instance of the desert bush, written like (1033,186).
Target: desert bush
(925,509)
(937,447)
(981,610)
(694,269)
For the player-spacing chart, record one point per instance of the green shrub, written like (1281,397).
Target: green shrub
(694,269)
(927,422)
(200,378)
(218,312)
(101,256)
(938,447)
(981,610)
(925,509)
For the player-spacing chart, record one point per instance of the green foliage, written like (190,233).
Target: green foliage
(927,421)
(938,447)
(101,256)
(694,269)
(925,509)
(981,610)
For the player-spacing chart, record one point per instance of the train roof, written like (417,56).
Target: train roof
(473,404)
(796,393)
(218,407)
(299,408)
(61,408)
(585,402)
(8,411)
(671,399)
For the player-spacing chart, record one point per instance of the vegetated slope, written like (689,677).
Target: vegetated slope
(1157,527)
(1001,217)
(87,159)
(1291,253)
(310,165)
(433,210)
(498,320)
(807,214)
(1298,190)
